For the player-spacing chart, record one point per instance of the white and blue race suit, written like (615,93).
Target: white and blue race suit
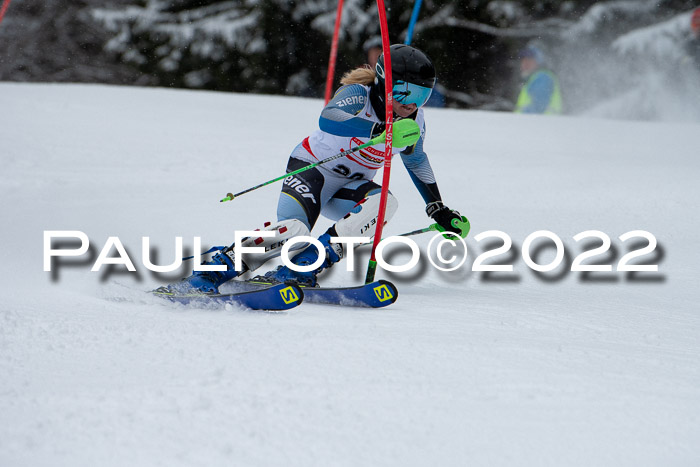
(335,188)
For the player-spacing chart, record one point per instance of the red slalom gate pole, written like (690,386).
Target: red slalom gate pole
(334,53)
(388,86)
(3,9)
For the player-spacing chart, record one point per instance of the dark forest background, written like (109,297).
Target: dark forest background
(282,47)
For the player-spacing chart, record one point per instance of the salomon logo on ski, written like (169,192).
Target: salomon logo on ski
(289,295)
(383,293)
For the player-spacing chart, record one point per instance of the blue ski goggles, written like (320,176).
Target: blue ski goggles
(409,93)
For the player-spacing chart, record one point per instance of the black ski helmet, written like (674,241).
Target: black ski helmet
(408,65)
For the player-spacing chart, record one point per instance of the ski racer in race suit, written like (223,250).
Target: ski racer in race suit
(343,190)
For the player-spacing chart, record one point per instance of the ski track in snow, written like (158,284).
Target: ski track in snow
(460,371)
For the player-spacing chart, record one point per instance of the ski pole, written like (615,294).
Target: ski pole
(463,225)
(379,139)
(406,133)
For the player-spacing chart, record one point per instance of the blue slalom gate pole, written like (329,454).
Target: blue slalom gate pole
(412,23)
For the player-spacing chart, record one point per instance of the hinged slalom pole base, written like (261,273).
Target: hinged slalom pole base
(371,270)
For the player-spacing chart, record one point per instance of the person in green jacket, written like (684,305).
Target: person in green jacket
(540,93)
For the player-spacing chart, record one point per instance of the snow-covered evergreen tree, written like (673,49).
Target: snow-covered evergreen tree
(601,49)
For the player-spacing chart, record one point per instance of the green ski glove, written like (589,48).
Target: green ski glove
(405,133)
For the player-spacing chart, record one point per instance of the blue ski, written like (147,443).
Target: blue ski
(276,297)
(373,295)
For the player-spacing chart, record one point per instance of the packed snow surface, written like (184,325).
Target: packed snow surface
(466,368)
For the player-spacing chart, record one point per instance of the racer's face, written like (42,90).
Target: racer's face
(404,110)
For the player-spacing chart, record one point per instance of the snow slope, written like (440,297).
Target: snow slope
(512,369)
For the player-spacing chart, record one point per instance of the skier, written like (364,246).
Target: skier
(343,190)
(540,93)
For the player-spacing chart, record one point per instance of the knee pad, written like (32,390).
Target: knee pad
(284,230)
(361,221)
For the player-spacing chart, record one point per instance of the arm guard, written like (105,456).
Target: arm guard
(416,162)
(341,116)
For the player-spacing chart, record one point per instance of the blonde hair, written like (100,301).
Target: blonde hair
(362,75)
